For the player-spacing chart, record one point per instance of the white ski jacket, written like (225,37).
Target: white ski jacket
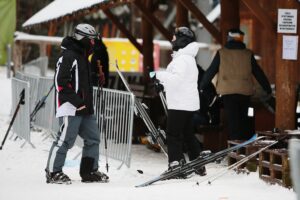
(180,79)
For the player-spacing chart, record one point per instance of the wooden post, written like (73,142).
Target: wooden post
(147,35)
(182,16)
(17,56)
(230,17)
(287,77)
(52,31)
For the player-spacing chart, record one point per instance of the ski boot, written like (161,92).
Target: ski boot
(89,174)
(57,178)
(201,171)
(174,165)
(95,176)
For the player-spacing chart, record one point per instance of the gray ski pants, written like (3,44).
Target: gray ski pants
(71,126)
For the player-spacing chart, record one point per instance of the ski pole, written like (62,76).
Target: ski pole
(161,95)
(21,102)
(103,112)
(40,104)
(157,136)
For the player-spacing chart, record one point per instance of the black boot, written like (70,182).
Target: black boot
(173,166)
(201,171)
(89,174)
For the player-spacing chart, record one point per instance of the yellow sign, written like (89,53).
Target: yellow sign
(129,58)
(127,55)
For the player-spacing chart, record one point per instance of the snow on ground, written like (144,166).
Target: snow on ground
(22,174)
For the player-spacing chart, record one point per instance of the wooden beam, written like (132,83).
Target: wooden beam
(147,35)
(123,29)
(182,15)
(153,20)
(202,18)
(262,16)
(230,17)
(287,78)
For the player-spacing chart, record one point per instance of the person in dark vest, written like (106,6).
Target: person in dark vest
(75,110)
(235,67)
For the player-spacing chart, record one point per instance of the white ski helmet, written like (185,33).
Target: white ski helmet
(84,30)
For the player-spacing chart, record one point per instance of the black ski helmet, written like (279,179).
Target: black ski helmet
(184,36)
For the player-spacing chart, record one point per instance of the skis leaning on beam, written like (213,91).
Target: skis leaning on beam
(235,165)
(190,167)
(157,136)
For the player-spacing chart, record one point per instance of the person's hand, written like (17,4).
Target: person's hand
(158,87)
(101,79)
(81,108)
(152,75)
(101,74)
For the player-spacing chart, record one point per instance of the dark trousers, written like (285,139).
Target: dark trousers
(236,111)
(71,126)
(180,133)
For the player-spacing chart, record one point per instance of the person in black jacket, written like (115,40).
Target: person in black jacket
(100,53)
(74,108)
(209,112)
(235,66)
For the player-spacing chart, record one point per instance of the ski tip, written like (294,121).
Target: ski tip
(141,185)
(117,66)
(254,137)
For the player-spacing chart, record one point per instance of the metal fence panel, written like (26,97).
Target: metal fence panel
(21,126)
(45,117)
(118,112)
(34,83)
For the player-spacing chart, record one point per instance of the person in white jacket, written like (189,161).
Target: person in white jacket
(180,83)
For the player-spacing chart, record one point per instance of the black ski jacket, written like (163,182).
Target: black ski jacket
(73,80)
(256,70)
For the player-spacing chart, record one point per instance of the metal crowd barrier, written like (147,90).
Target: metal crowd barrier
(118,113)
(45,117)
(21,125)
(34,84)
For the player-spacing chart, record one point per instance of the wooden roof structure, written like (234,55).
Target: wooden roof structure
(263,13)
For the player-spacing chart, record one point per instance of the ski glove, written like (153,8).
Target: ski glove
(158,87)
(152,74)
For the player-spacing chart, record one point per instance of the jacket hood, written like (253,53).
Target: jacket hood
(191,49)
(71,44)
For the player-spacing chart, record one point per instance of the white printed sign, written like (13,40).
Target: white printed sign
(289,47)
(287,21)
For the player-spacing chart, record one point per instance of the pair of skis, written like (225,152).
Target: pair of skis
(158,136)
